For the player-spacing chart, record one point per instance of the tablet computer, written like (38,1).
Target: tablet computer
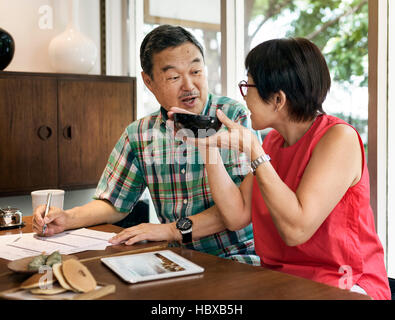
(153,265)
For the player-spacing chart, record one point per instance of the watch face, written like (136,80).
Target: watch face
(184,224)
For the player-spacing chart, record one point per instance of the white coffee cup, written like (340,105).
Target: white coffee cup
(39,197)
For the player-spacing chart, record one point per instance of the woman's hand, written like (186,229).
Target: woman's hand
(174,110)
(235,137)
(170,122)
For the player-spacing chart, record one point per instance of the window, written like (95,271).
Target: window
(339,28)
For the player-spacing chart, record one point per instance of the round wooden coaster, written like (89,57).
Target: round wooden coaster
(57,270)
(55,289)
(78,276)
(34,281)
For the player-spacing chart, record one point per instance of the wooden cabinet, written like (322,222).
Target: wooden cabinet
(26,105)
(58,130)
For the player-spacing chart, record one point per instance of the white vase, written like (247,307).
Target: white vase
(71,51)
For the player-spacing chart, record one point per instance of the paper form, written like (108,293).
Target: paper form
(39,245)
(88,233)
(30,244)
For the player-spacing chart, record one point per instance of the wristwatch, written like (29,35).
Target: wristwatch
(258,161)
(185,227)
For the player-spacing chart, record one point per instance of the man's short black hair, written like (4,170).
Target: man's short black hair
(297,67)
(161,38)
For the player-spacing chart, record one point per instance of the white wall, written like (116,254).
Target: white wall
(26,20)
(33,23)
(71,199)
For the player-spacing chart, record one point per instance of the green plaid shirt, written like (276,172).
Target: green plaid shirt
(148,155)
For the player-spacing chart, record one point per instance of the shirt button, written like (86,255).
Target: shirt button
(183,171)
(185,201)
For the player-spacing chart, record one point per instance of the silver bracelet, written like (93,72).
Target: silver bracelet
(258,161)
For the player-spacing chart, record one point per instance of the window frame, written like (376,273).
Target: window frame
(380,123)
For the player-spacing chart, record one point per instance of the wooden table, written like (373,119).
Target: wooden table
(222,279)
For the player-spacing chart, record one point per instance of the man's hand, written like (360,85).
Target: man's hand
(147,231)
(55,221)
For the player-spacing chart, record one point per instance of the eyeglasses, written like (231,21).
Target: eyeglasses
(243,86)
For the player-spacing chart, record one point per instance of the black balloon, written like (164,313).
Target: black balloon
(7,49)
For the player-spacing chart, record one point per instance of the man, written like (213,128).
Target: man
(148,155)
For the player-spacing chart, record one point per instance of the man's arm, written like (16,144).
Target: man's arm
(205,223)
(92,213)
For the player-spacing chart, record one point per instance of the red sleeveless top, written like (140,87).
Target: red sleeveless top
(345,250)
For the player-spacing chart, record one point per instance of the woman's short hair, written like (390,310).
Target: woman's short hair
(161,38)
(297,67)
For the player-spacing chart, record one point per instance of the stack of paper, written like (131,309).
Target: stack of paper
(23,245)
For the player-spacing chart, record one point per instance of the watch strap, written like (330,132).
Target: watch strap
(258,161)
(186,236)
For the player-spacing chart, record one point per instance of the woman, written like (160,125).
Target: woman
(309,204)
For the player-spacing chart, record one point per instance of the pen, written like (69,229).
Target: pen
(49,197)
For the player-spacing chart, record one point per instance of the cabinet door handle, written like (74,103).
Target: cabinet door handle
(67,132)
(44,132)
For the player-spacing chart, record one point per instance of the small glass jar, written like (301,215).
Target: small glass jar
(10,217)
